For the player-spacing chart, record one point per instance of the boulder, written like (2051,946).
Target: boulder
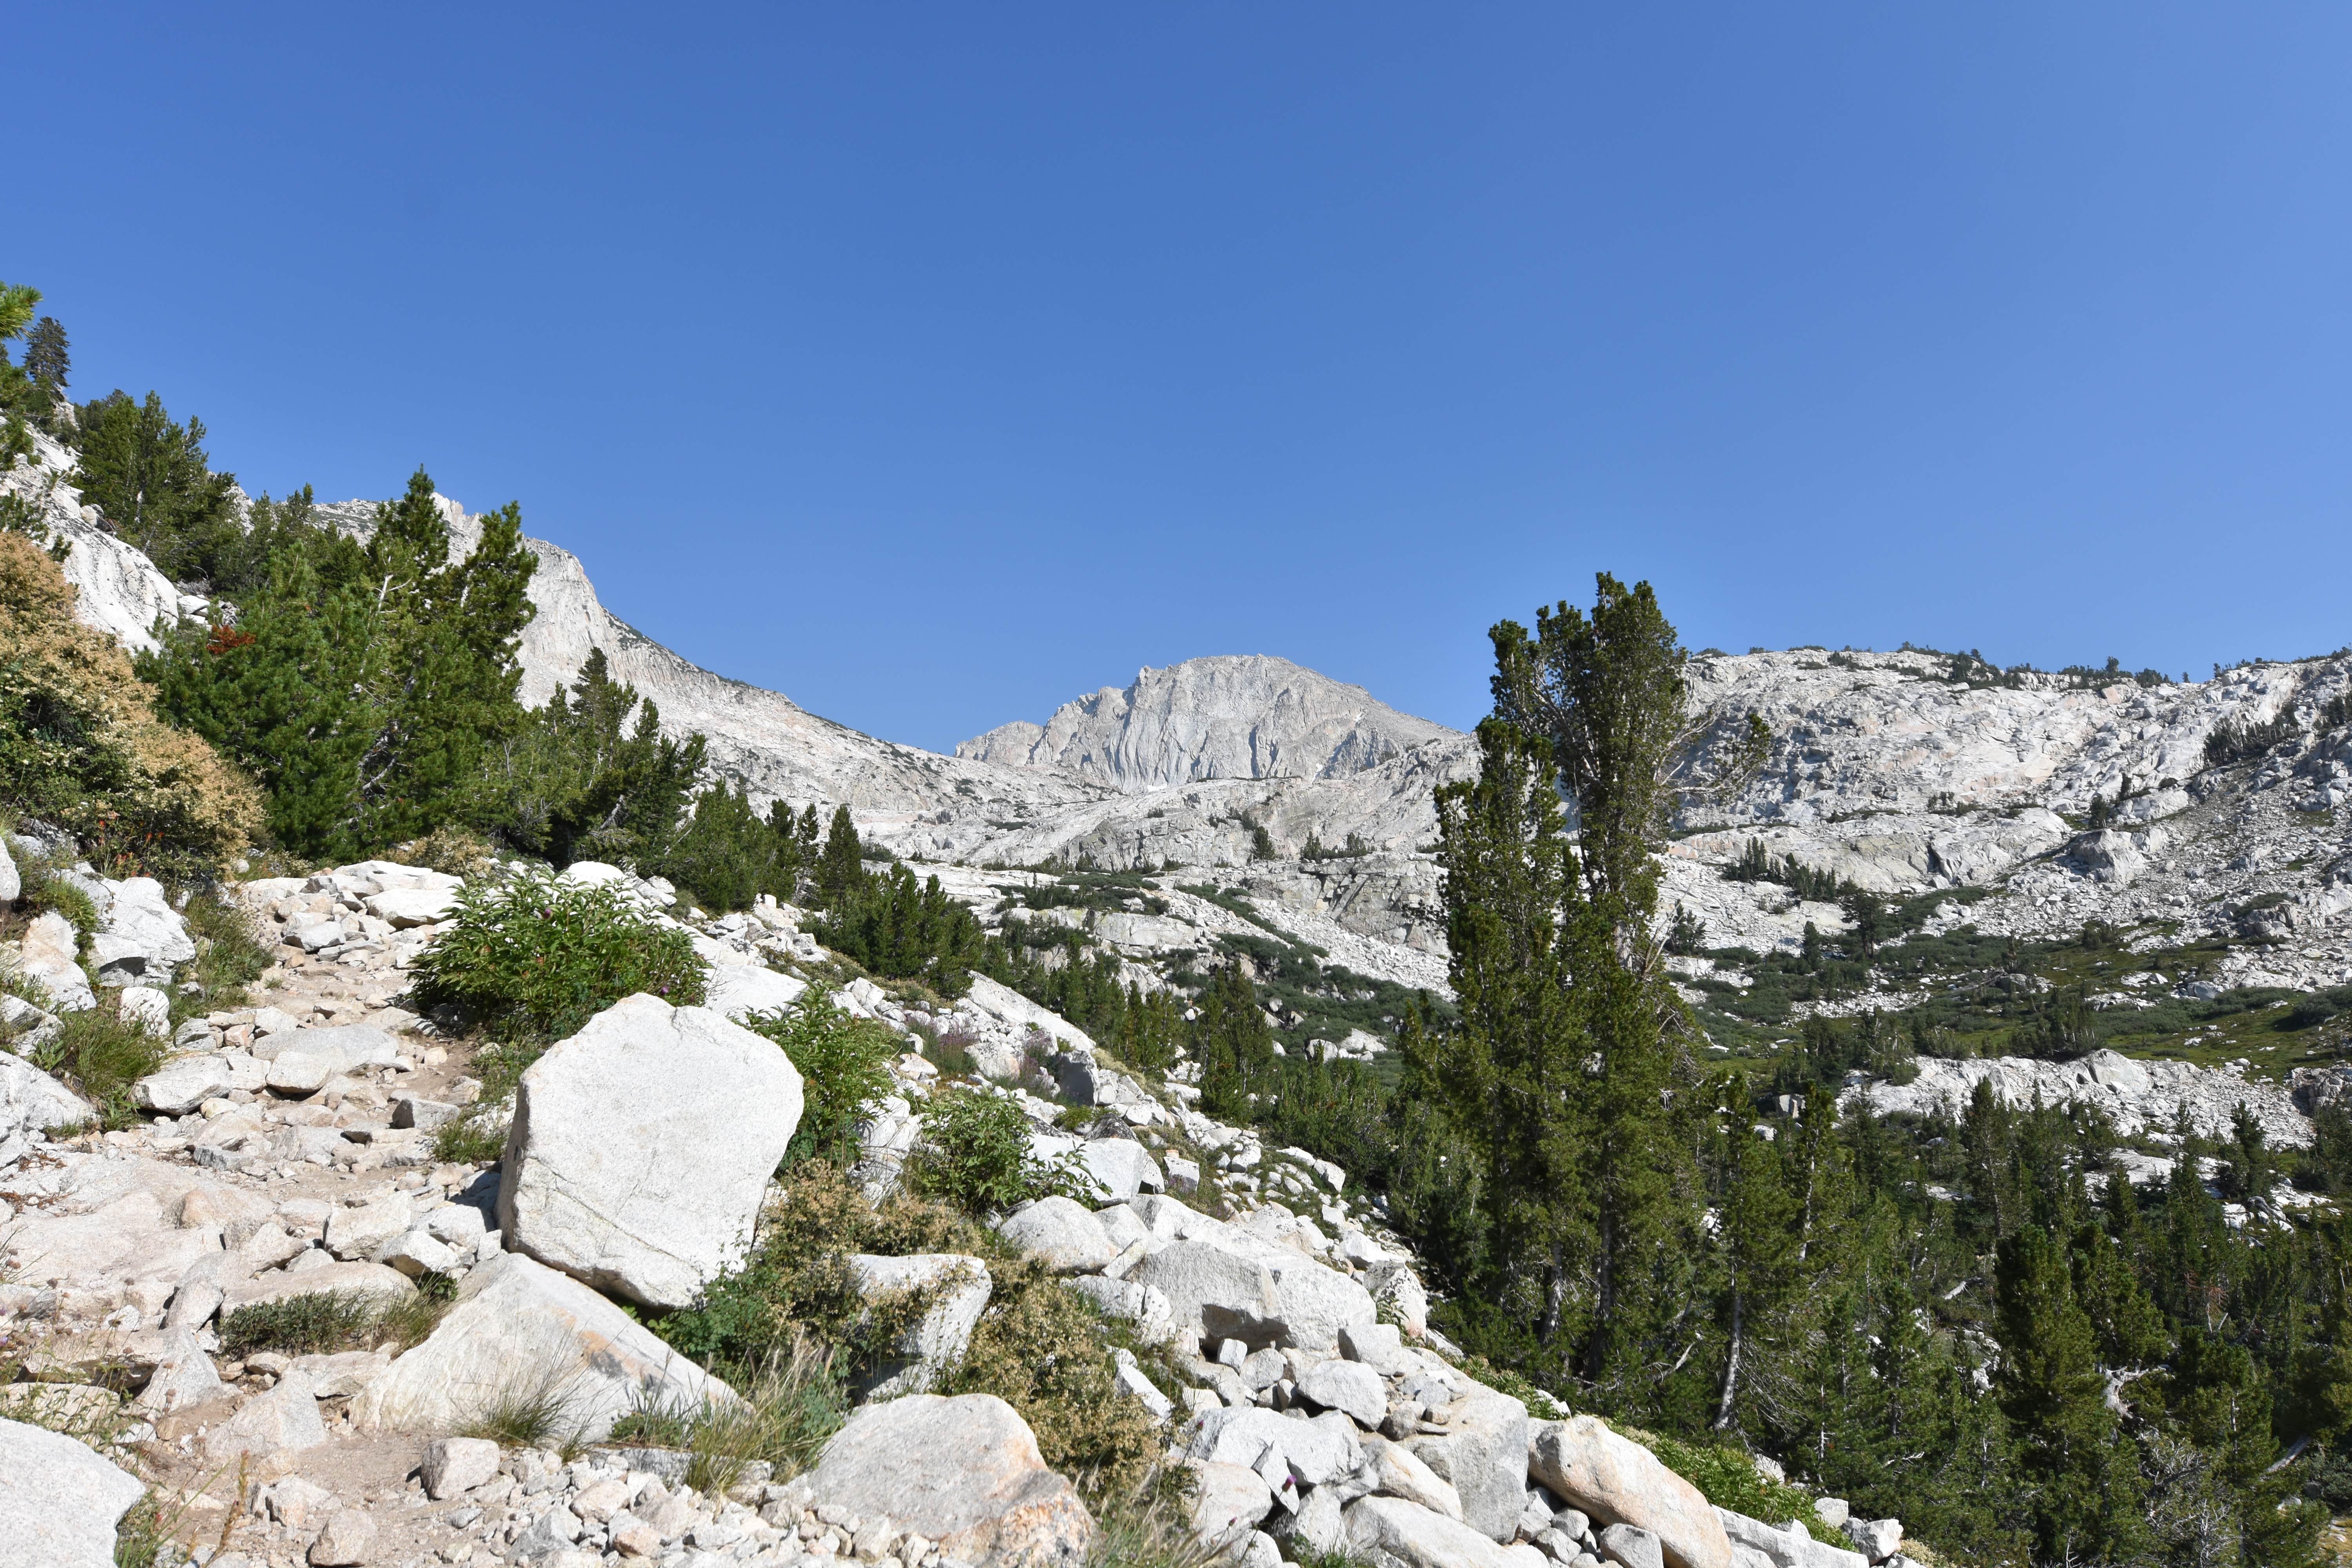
(1213,1292)
(183,1378)
(401,908)
(641,1148)
(59,1501)
(141,918)
(348,1540)
(963,1473)
(1143,1305)
(344,1048)
(181,1087)
(33,1102)
(49,954)
(1230,1501)
(343,1373)
(456,1465)
(1121,1167)
(299,1073)
(952,1289)
(1395,1470)
(369,1280)
(1350,1387)
(1320,1523)
(1630,1546)
(1314,1303)
(284,1420)
(146,1008)
(362,1230)
(1484,1455)
(1390,1532)
(425,1115)
(1065,1234)
(737,990)
(1316,1450)
(1618,1481)
(1791,1545)
(1876,1539)
(522,1329)
(29,1027)
(12,884)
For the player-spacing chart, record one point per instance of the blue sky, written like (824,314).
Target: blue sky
(934,365)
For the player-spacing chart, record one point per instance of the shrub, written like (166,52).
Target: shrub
(537,956)
(1041,1347)
(976,1154)
(1729,1479)
(81,744)
(843,1063)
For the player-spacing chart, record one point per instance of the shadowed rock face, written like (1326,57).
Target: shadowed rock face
(1247,716)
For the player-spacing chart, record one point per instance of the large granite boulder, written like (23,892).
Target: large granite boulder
(1618,1481)
(738,990)
(521,1329)
(1391,1532)
(33,1102)
(641,1147)
(48,956)
(964,1473)
(59,1502)
(1484,1455)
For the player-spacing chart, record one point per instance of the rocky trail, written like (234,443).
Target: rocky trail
(285,1153)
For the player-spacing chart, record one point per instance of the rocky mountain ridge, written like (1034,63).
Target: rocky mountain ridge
(1249,716)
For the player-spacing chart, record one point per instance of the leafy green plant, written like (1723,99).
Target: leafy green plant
(536,956)
(976,1154)
(1730,1480)
(843,1063)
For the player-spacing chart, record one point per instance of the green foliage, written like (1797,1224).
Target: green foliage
(783,1415)
(843,1063)
(2235,739)
(976,1155)
(1042,1348)
(577,782)
(1730,1480)
(536,956)
(149,476)
(362,686)
(840,867)
(896,927)
(1233,1044)
(330,1322)
(103,1054)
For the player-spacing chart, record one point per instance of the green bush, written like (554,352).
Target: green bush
(975,1154)
(843,1063)
(1730,1480)
(537,956)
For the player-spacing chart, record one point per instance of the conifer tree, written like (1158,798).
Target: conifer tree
(47,359)
(149,476)
(840,868)
(2084,1478)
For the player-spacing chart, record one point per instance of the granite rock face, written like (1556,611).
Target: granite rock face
(1247,716)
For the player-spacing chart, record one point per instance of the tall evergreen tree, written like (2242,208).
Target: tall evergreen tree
(841,866)
(2084,1477)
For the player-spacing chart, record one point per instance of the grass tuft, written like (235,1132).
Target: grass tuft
(326,1322)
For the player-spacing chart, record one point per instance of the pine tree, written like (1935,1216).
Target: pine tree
(150,479)
(2085,1476)
(840,868)
(47,359)
(1233,1043)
